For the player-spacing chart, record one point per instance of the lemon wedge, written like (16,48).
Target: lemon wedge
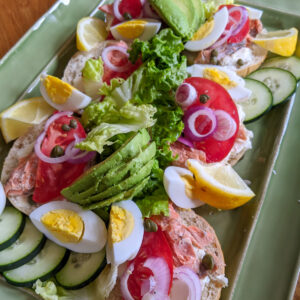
(219,185)
(17,119)
(281,42)
(90,31)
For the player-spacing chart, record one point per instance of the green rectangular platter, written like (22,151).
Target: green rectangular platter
(261,240)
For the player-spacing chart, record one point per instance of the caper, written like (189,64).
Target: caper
(65,127)
(208,262)
(57,151)
(73,124)
(203,98)
(127,16)
(214,53)
(240,62)
(150,226)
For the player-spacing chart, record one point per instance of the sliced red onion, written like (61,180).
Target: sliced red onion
(45,158)
(117,11)
(109,64)
(142,2)
(226,126)
(244,17)
(148,285)
(186,142)
(223,39)
(161,275)
(185,95)
(149,12)
(124,283)
(192,281)
(190,118)
(56,116)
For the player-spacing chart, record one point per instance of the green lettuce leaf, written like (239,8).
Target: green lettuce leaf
(93,69)
(155,204)
(106,89)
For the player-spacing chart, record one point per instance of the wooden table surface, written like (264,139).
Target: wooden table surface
(16,17)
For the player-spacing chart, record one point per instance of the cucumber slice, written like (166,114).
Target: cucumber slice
(48,262)
(81,269)
(282,83)
(260,101)
(24,249)
(291,64)
(12,224)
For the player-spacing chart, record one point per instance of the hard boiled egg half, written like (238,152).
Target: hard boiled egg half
(234,84)
(143,29)
(70,226)
(181,187)
(61,95)
(125,232)
(209,32)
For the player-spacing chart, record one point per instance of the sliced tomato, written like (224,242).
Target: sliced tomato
(235,17)
(219,99)
(132,7)
(154,244)
(52,178)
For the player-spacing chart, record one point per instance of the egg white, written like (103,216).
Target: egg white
(237,93)
(220,22)
(75,102)
(151,28)
(175,187)
(127,249)
(95,233)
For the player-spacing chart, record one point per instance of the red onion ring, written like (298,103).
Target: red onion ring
(186,142)
(107,61)
(191,279)
(148,285)
(189,122)
(124,283)
(226,126)
(148,11)
(223,39)
(142,2)
(116,10)
(185,95)
(244,17)
(56,116)
(161,275)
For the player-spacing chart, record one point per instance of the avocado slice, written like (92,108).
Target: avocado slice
(129,194)
(123,185)
(183,16)
(117,174)
(129,150)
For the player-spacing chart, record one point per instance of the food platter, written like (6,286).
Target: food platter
(245,233)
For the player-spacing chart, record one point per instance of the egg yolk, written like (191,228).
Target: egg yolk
(58,91)
(66,225)
(219,77)
(131,29)
(190,185)
(204,30)
(121,224)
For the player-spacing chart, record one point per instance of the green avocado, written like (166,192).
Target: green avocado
(129,150)
(123,185)
(117,174)
(183,16)
(129,194)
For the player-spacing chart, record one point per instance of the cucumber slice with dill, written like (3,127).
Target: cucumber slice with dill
(282,83)
(291,64)
(260,102)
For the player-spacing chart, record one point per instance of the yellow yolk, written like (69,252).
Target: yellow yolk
(65,225)
(190,185)
(121,224)
(131,29)
(58,91)
(219,77)
(204,30)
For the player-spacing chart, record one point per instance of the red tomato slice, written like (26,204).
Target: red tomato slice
(241,35)
(52,178)
(133,7)
(218,99)
(154,244)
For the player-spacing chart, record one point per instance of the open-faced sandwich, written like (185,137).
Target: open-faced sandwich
(144,126)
